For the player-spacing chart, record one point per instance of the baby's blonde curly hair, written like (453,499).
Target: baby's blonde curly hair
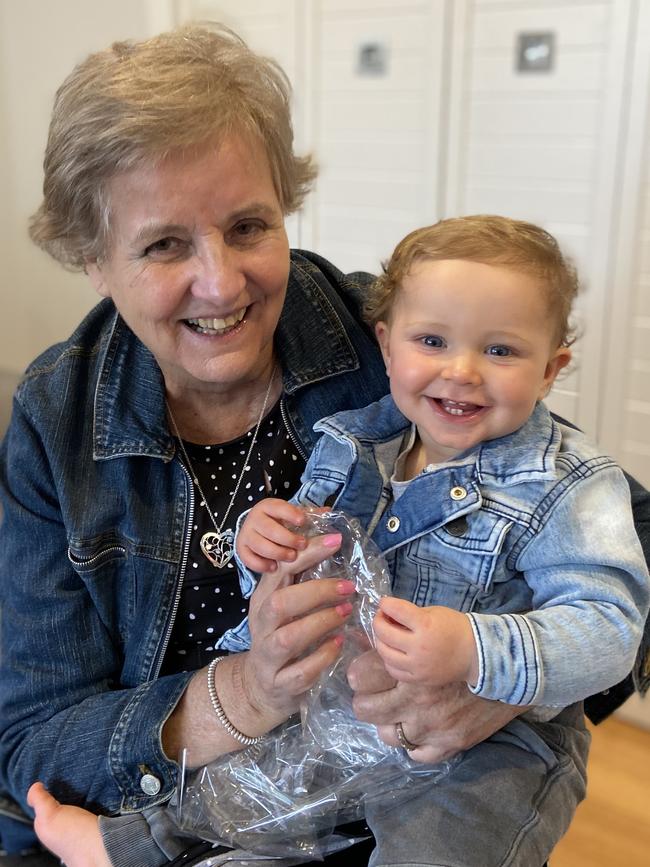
(492,240)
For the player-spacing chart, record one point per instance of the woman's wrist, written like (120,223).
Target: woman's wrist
(239,701)
(194,726)
(235,733)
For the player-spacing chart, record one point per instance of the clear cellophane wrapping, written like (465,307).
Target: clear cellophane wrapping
(287,795)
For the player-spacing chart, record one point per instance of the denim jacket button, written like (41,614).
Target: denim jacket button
(149,784)
(458,527)
(458,493)
(392,524)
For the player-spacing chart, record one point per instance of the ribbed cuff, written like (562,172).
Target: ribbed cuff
(128,841)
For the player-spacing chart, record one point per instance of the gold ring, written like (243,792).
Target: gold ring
(404,742)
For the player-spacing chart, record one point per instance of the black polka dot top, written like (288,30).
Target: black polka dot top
(211,600)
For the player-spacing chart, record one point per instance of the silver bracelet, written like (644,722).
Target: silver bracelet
(220,712)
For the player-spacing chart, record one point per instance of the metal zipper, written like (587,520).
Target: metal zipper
(293,436)
(86,561)
(181,574)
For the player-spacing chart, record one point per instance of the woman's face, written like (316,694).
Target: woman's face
(198,263)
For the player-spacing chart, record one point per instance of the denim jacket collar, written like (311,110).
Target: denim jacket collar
(505,461)
(510,460)
(129,415)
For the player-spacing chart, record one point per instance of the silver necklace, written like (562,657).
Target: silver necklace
(217,544)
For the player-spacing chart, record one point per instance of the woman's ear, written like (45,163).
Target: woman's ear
(382,333)
(96,277)
(559,360)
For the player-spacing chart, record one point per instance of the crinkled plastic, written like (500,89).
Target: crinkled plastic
(286,795)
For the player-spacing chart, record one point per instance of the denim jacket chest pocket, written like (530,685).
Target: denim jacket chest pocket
(454,564)
(106,569)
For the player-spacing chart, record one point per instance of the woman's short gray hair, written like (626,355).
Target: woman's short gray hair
(139,102)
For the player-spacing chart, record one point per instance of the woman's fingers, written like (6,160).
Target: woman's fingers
(443,721)
(303,674)
(367,674)
(293,627)
(296,640)
(279,599)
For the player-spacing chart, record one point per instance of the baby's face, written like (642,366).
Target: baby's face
(469,350)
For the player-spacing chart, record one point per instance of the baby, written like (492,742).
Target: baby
(515,565)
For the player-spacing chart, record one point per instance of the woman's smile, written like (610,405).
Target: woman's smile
(217,327)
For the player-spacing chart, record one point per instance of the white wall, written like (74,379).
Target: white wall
(39,44)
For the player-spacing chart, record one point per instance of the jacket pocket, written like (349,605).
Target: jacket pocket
(455,563)
(321,491)
(106,568)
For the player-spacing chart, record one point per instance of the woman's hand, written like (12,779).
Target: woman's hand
(295,630)
(443,720)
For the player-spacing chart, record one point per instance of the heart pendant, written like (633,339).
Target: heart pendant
(217,547)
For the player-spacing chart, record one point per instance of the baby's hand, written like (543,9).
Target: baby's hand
(432,645)
(71,833)
(264,538)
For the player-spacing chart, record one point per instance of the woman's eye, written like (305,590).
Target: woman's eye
(247,229)
(499,350)
(433,341)
(164,247)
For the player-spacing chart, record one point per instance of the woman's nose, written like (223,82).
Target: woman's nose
(462,369)
(219,274)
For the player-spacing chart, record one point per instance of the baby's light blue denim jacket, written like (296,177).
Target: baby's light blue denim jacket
(530,534)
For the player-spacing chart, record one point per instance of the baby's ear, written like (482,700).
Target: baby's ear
(559,360)
(382,333)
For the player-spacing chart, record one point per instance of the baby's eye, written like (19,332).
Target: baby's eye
(499,350)
(433,341)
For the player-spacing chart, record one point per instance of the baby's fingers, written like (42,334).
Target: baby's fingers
(254,562)
(40,800)
(260,544)
(391,633)
(395,661)
(273,531)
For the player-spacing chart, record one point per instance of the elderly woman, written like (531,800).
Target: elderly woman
(187,394)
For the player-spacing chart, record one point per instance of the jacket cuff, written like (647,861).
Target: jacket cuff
(509,668)
(128,841)
(144,774)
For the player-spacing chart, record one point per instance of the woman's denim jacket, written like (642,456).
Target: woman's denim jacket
(531,534)
(93,547)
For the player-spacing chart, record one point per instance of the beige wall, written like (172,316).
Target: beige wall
(40,42)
